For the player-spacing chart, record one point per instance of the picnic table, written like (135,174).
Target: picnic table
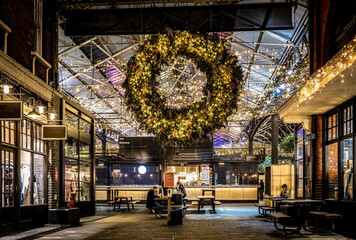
(303,207)
(202,202)
(212,190)
(275,200)
(118,200)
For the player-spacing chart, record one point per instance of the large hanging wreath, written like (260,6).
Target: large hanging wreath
(193,122)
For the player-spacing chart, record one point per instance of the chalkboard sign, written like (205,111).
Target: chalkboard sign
(11,110)
(54,132)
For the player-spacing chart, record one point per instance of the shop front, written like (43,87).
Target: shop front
(325,144)
(24,165)
(78,160)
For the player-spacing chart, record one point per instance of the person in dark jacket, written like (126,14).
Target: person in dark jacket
(261,189)
(181,189)
(151,195)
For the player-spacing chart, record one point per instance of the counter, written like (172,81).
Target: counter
(241,193)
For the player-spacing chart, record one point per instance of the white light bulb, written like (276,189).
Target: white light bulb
(6,89)
(52,116)
(41,109)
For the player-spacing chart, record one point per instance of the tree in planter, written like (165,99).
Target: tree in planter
(287,144)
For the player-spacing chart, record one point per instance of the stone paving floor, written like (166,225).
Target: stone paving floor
(232,221)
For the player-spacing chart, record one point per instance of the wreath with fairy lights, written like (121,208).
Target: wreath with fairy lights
(193,122)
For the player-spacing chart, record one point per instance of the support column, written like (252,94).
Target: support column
(274,135)
(250,146)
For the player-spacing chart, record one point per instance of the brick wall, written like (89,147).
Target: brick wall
(19,16)
(319,158)
(53,185)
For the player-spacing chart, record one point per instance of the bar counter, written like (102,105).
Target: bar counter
(240,193)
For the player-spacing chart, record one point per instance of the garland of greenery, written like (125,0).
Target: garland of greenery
(182,126)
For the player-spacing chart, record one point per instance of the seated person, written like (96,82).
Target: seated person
(285,193)
(151,195)
(181,189)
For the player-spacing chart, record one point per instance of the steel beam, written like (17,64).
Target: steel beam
(214,18)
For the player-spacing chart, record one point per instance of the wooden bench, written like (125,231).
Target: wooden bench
(327,215)
(259,207)
(158,210)
(267,209)
(283,219)
(194,203)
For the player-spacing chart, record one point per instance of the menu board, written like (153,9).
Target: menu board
(204,175)
(169,180)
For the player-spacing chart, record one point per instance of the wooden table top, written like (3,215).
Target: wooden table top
(302,201)
(128,196)
(208,189)
(206,197)
(161,198)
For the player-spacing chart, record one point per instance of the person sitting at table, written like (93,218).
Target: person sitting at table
(285,193)
(181,189)
(151,195)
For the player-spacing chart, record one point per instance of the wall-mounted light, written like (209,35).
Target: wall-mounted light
(34,113)
(6,88)
(142,169)
(52,116)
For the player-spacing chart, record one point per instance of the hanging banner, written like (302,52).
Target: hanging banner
(169,180)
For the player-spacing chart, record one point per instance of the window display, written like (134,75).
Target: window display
(78,159)
(7,178)
(347,168)
(25,179)
(39,181)
(332,169)
(71,179)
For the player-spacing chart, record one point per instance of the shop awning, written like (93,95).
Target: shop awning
(330,86)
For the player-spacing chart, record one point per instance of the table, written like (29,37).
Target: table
(119,200)
(208,190)
(303,208)
(203,198)
(275,200)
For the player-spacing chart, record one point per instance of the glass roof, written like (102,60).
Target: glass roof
(275,63)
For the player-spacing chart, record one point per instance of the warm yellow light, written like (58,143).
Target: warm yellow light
(52,116)
(34,114)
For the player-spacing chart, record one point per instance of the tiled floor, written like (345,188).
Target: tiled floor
(237,221)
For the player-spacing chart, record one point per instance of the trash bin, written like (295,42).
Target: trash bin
(64,216)
(176,217)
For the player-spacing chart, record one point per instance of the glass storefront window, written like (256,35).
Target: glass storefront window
(347,168)
(8,132)
(39,145)
(7,178)
(39,179)
(84,151)
(85,178)
(127,174)
(332,169)
(84,127)
(71,179)
(332,126)
(236,174)
(25,179)
(71,147)
(348,120)
(71,120)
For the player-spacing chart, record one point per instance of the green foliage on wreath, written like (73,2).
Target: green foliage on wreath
(193,122)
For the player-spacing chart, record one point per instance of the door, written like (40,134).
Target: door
(8,189)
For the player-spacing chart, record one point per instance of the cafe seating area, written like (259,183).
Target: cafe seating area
(292,215)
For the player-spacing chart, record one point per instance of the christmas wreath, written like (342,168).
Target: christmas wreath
(192,122)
